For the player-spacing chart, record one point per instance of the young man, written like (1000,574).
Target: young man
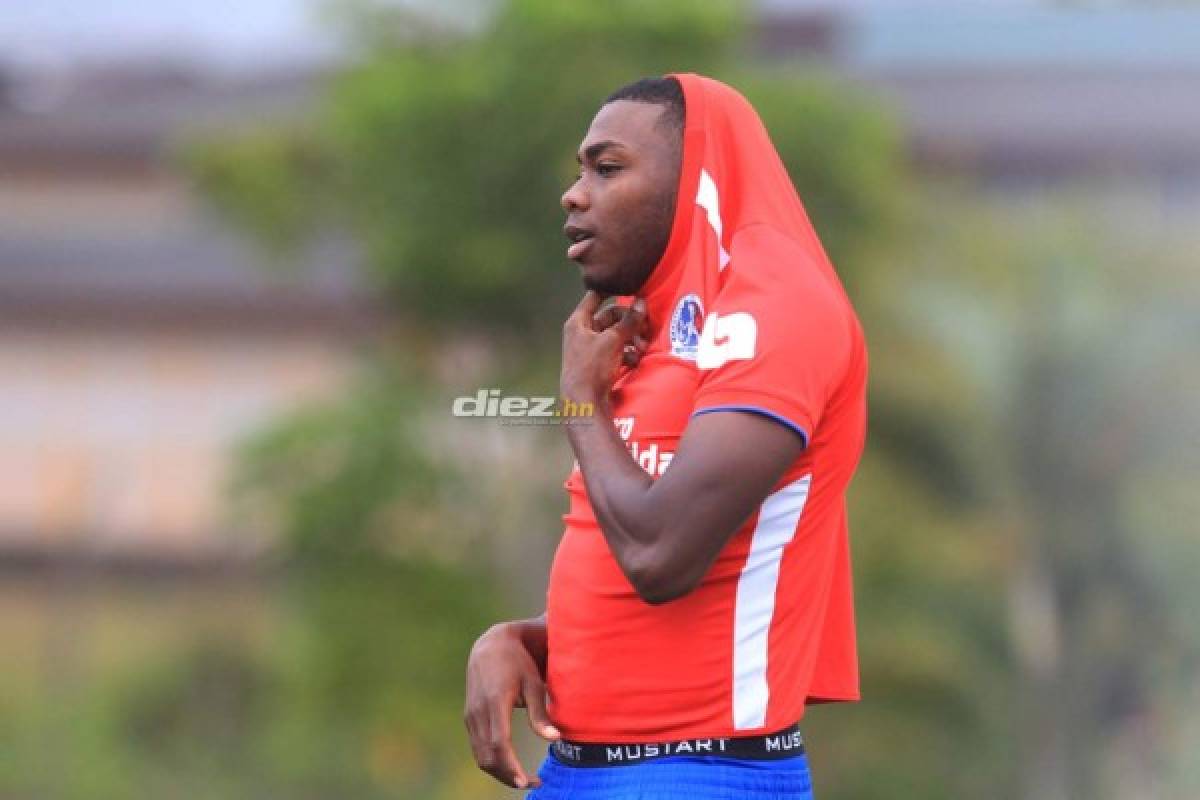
(701,595)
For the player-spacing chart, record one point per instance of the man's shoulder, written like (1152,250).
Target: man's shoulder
(768,266)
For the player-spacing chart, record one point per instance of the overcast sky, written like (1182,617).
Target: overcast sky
(241,33)
(231,30)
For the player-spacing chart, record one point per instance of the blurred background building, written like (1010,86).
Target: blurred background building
(141,336)
(1025,97)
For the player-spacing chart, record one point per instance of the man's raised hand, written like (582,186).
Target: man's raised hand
(612,314)
(595,344)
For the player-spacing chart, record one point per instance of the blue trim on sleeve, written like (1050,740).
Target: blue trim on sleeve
(764,412)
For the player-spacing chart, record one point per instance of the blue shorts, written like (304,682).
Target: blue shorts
(677,778)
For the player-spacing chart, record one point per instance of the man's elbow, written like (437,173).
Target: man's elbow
(658,581)
(657,595)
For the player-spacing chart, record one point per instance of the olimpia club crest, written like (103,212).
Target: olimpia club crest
(686,323)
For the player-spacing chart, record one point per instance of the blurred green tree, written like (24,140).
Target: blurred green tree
(1067,339)
(444,151)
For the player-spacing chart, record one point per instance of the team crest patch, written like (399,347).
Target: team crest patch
(686,323)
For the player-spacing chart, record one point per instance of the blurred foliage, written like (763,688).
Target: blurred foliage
(1052,347)
(386,621)
(1073,356)
(355,691)
(445,151)
(269,179)
(335,480)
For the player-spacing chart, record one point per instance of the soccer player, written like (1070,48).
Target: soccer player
(700,596)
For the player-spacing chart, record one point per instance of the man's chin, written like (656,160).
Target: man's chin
(605,284)
(595,282)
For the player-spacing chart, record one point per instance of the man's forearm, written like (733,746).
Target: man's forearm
(532,633)
(666,533)
(618,490)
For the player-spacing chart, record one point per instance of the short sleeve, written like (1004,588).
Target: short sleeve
(778,337)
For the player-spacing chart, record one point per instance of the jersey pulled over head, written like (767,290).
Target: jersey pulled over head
(734,179)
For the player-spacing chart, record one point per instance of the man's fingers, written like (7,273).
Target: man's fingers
(588,306)
(534,693)
(606,317)
(504,767)
(631,324)
(489,726)
(499,758)
(613,313)
(631,353)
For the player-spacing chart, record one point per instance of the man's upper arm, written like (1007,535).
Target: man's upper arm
(725,466)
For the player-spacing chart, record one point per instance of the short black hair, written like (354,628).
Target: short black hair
(665,92)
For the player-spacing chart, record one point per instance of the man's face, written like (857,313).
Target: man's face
(620,209)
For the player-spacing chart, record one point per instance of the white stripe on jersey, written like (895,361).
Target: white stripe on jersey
(708,199)
(755,603)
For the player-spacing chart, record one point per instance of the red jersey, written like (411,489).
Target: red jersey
(748,316)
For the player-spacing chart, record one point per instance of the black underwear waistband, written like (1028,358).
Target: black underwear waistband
(766,747)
